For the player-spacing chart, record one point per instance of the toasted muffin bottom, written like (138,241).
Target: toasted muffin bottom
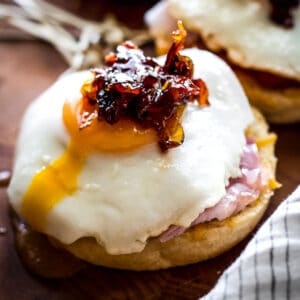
(278,105)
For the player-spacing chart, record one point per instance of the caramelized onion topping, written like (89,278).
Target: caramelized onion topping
(135,87)
(281,12)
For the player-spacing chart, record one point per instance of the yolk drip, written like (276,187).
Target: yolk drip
(51,185)
(59,180)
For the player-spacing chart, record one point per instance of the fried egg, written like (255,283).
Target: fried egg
(243,29)
(112,182)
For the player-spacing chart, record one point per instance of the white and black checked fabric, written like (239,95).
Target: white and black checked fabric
(269,267)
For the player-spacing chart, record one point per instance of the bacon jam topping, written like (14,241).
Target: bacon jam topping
(281,12)
(135,87)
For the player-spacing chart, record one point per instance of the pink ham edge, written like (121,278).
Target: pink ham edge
(239,193)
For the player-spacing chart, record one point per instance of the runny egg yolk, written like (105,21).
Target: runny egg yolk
(59,180)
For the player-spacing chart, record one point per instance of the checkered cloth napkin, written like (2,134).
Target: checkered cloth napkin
(269,267)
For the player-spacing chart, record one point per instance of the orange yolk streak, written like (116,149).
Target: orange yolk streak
(59,180)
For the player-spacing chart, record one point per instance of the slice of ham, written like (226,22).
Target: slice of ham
(240,192)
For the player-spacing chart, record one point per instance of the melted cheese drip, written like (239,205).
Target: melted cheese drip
(59,179)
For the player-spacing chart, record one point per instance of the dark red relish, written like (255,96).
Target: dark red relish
(135,87)
(281,12)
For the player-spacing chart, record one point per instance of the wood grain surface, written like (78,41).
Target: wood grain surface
(27,68)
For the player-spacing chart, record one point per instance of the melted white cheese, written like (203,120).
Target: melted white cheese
(122,200)
(242,28)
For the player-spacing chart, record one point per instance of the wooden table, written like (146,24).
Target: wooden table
(27,68)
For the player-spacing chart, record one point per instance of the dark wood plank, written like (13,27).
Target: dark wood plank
(27,68)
